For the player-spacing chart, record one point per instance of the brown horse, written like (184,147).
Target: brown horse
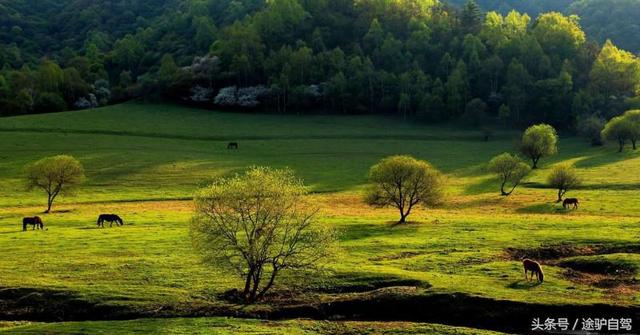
(35,221)
(232,146)
(570,201)
(534,267)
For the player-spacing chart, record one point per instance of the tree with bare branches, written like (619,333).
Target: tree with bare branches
(259,224)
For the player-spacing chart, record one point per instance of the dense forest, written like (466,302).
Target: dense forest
(415,58)
(616,20)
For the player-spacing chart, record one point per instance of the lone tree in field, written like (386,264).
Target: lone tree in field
(623,128)
(258,225)
(563,178)
(404,182)
(539,141)
(510,169)
(55,175)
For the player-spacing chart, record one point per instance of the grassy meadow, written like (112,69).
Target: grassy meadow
(145,161)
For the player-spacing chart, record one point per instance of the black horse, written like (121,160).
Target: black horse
(111,218)
(35,221)
(570,202)
(232,146)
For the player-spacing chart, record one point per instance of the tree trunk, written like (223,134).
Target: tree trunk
(502,191)
(561,193)
(621,145)
(403,217)
(269,284)
(49,204)
(535,162)
(247,285)
(633,142)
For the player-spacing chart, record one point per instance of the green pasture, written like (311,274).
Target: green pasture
(226,326)
(145,161)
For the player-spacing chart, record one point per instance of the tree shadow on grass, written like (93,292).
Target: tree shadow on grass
(523,284)
(370,230)
(487,185)
(603,158)
(543,208)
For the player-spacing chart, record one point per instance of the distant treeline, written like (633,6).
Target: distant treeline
(616,20)
(416,58)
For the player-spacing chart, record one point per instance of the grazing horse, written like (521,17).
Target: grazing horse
(534,267)
(35,221)
(111,218)
(232,146)
(570,201)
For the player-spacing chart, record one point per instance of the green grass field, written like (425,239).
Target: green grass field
(224,326)
(145,161)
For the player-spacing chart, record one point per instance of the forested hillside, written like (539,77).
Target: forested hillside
(415,58)
(601,19)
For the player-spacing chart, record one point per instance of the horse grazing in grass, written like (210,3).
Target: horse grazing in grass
(111,218)
(35,221)
(232,146)
(570,201)
(535,268)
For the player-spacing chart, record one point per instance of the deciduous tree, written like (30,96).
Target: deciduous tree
(404,182)
(539,141)
(55,175)
(259,224)
(510,170)
(563,178)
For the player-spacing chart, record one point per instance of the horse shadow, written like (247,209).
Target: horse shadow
(522,284)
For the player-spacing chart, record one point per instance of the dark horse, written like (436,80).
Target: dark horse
(111,218)
(534,267)
(570,201)
(35,221)
(232,146)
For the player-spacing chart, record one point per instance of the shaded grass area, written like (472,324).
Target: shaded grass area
(613,264)
(222,326)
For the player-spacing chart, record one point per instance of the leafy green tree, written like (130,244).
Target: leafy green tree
(615,74)
(404,182)
(258,225)
(205,32)
(168,70)
(510,170)
(559,34)
(50,76)
(539,141)
(55,175)
(623,128)
(563,178)
(127,52)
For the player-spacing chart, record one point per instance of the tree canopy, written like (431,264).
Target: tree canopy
(539,141)
(55,175)
(563,178)
(510,170)
(404,182)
